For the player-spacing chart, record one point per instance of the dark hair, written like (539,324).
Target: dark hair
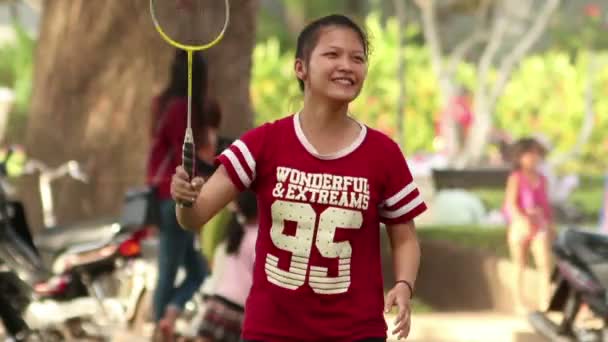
(247,206)
(523,146)
(213,113)
(308,38)
(212,119)
(177,86)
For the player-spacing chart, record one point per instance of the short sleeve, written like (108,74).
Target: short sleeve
(242,158)
(401,200)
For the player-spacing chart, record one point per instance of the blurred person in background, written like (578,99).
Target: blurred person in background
(177,246)
(530,218)
(460,112)
(232,274)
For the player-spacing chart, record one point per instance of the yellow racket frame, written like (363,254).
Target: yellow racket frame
(190,49)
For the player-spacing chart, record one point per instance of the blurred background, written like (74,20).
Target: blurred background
(454,82)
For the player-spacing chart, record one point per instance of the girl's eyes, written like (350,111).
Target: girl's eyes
(333,54)
(359,59)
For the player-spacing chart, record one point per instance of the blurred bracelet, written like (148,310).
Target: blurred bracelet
(409,286)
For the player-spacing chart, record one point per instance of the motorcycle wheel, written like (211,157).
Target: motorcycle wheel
(570,310)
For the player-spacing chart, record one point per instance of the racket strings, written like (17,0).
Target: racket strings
(193,23)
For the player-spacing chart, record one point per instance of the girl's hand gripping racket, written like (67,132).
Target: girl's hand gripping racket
(190,25)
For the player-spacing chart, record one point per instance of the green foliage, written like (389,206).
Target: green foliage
(214,232)
(16,73)
(16,67)
(273,14)
(271,26)
(545,94)
(274,90)
(576,32)
(376,105)
(488,239)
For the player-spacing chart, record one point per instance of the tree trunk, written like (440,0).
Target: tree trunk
(400,10)
(98,65)
(230,67)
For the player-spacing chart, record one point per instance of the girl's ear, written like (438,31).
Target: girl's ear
(300,69)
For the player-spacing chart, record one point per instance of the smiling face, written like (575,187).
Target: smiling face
(337,65)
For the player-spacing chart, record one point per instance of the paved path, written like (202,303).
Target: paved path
(470,327)
(449,327)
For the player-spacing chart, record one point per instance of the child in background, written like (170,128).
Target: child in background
(530,217)
(233,276)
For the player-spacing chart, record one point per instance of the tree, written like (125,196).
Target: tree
(401,17)
(591,39)
(98,65)
(497,22)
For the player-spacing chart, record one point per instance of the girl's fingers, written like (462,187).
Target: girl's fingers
(197,183)
(181,173)
(400,321)
(184,195)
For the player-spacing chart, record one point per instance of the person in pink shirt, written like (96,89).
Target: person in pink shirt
(531,226)
(225,307)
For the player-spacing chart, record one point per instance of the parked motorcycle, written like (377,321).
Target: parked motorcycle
(581,281)
(76,280)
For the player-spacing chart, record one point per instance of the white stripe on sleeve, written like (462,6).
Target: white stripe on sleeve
(247,154)
(236,164)
(400,195)
(405,209)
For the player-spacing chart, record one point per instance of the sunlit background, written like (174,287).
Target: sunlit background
(77,77)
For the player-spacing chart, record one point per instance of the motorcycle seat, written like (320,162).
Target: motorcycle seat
(56,239)
(589,246)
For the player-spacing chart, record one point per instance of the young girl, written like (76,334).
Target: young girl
(224,309)
(324,184)
(530,217)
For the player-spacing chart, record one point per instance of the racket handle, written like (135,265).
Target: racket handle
(188,164)
(188,159)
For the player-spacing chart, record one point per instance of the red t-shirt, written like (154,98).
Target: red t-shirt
(166,149)
(317,273)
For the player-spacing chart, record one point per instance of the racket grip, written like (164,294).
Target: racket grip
(188,164)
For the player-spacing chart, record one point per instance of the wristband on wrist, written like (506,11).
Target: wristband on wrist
(409,286)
